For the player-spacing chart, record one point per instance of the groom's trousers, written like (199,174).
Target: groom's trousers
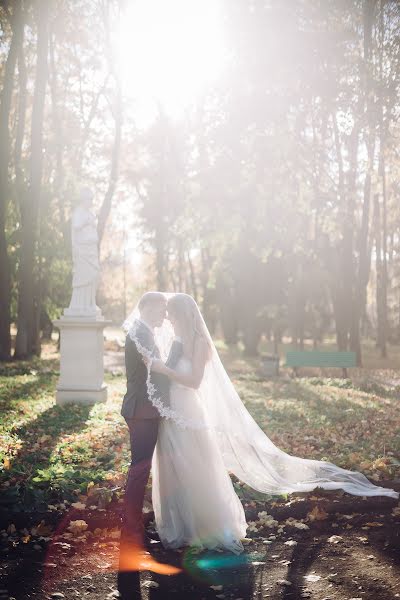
(143,438)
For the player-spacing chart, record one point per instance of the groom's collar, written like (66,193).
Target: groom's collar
(146,325)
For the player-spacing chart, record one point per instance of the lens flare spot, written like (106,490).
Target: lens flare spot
(215,567)
(131,560)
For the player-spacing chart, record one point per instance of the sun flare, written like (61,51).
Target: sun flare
(169,51)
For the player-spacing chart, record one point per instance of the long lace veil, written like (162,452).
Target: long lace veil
(246,450)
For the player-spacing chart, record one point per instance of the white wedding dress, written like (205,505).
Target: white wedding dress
(194,501)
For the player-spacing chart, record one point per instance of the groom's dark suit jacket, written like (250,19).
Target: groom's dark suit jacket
(136,403)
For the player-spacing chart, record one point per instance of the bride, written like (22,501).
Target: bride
(206,433)
(194,501)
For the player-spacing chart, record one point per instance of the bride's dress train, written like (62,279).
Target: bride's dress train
(194,501)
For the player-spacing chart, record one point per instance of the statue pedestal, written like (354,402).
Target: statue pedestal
(81,360)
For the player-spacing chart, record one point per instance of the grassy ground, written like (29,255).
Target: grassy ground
(52,453)
(63,471)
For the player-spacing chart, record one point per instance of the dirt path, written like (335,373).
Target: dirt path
(323,548)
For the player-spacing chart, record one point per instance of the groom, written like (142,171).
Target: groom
(141,416)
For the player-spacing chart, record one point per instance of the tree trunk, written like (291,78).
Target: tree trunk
(19,137)
(193,283)
(251,329)
(180,265)
(369,115)
(28,342)
(381,333)
(106,206)
(58,184)
(117,113)
(5,105)
(363,271)
(161,246)
(209,294)
(384,267)
(343,283)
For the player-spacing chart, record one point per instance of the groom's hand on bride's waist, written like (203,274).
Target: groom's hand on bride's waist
(157,366)
(175,353)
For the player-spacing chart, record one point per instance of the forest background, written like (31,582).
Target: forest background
(267,187)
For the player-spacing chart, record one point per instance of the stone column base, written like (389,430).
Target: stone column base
(81,360)
(81,396)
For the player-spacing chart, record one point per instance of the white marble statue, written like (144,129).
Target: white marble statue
(86,268)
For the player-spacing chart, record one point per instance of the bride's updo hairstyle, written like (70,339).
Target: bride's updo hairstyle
(185,310)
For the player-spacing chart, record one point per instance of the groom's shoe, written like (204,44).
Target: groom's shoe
(151,543)
(151,534)
(133,557)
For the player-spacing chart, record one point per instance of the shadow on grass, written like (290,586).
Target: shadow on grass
(30,488)
(23,389)
(326,409)
(13,368)
(294,403)
(23,493)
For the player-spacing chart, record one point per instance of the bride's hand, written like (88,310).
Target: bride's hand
(158,366)
(146,360)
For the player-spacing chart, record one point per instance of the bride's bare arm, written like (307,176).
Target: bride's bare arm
(193,379)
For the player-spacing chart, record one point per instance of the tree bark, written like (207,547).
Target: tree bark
(383,325)
(28,342)
(117,113)
(343,281)
(192,276)
(380,335)
(106,205)
(363,260)
(5,105)
(161,247)
(19,137)
(58,185)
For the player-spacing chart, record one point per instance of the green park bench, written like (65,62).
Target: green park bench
(302,358)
